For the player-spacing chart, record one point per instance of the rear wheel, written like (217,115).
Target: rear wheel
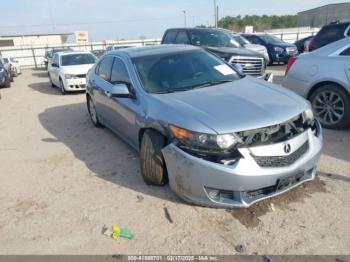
(62,89)
(152,162)
(331,105)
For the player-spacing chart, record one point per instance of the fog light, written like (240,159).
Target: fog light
(213,193)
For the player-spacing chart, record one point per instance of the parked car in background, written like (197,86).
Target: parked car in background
(329,34)
(15,66)
(98,53)
(49,54)
(8,67)
(220,42)
(219,137)
(304,43)
(279,51)
(68,70)
(242,42)
(116,47)
(4,76)
(323,77)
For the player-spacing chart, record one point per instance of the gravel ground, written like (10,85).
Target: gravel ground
(62,180)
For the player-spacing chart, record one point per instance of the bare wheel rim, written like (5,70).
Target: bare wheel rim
(92,111)
(329,107)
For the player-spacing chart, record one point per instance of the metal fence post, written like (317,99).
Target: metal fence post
(34,58)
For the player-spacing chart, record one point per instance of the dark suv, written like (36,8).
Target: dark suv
(220,43)
(330,33)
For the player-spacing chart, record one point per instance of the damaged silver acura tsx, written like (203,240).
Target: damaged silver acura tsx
(218,137)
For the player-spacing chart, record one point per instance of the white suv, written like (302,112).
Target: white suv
(68,70)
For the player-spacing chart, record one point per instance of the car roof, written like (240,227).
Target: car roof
(200,29)
(72,53)
(134,52)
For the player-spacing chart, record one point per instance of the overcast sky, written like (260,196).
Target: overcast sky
(130,19)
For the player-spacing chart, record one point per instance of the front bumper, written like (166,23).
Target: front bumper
(243,183)
(75,84)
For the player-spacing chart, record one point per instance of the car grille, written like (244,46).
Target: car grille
(81,76)
(253,66)
(282,161)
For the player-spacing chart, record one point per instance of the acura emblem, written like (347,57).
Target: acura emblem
(287,148)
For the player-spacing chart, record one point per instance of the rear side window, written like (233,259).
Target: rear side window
(346,52)
(119,72)
(332,33)
(170,37)
(182,38)
(105,68)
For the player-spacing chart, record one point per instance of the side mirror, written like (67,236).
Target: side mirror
(120,90)
(54,65)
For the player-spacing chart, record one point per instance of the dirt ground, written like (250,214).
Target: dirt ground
(62,180)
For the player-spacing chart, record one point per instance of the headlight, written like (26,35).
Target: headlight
(308,115)
(279,49)
(69,76)
(204,141)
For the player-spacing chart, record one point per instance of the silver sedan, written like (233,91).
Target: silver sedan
(323,77)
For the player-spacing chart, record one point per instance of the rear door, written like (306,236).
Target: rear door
(54,70)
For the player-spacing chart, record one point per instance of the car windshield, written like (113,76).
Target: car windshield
(6,60)
(212,38)
(182,71)
(271,39)
(77,59)
(240,40)
(13,60)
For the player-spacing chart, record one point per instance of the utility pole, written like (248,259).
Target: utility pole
(215,15)
(185,18)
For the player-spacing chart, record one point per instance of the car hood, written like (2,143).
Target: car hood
(227,52)
(284,45)
(77,69)
(257,48)
(241,105)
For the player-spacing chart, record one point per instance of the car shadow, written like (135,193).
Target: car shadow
(337,143)
(45,88)
(104,154)
(40,74)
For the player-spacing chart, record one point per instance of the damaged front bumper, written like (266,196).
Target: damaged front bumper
(246,182)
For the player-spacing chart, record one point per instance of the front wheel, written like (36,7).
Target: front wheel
(152,162)
(62,89)
(331,105)
(92,112)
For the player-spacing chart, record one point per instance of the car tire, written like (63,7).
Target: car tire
(152,162)
(62,89)
(270,61)
(8,83)
(92,112)
(331,102)
(15,73)
(51,83)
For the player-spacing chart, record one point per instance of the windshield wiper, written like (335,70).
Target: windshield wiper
(210,83)
(201,85)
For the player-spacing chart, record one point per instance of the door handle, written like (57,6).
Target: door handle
(107,93)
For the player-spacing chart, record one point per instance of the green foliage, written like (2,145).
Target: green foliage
(260,23)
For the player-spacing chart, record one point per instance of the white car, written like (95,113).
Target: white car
(243,42)
(68,70)
(15,66)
